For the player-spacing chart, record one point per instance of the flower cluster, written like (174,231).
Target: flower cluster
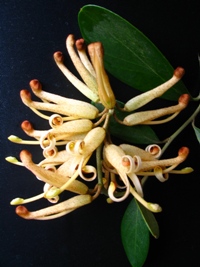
(78,130)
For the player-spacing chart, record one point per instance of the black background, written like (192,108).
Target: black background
(30,32)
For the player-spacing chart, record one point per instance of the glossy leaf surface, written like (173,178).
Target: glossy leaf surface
(129,55)
(135,235)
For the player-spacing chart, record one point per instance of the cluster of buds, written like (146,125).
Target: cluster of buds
(78,130)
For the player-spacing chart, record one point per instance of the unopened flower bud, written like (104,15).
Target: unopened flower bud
(87,77)
(105,91)
(163,163)
(93,139)
(58,104)
(50,177)
(56,210)
(142,99)
(150,116)
(133,150)
(82,87)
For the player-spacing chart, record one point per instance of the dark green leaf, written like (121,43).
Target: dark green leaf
(135,235)
(150,220)
(129,55)
(139,134)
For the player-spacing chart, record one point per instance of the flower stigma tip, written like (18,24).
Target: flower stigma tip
(17,201)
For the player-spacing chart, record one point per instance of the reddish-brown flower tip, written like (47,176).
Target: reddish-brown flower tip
(184,99)
(35,85)
(25,156)
(125,162)
(97,48)
(105,91)
(22,211)
(25,95)
(26,126)
(179,72)
(80,44)
(58,56)
(183,151)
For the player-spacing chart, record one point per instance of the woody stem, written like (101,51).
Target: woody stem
(99,165)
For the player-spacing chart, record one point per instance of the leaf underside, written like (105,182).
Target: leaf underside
(135,235)
(197,132)
(150,220)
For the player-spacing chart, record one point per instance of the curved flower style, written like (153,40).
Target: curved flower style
(77,130)
(72,162)
(130,162)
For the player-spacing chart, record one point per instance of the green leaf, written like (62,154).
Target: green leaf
(129,54)
(150,220)
(139,134)
(197,131)
(135,235)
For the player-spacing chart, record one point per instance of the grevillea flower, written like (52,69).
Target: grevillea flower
(78,130)
(72,163)
(130,162)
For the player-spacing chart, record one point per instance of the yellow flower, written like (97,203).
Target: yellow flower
(83,130)
(72,163)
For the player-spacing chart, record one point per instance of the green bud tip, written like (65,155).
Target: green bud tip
(14,138)
(11,159)
(52,192)
(17,201)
